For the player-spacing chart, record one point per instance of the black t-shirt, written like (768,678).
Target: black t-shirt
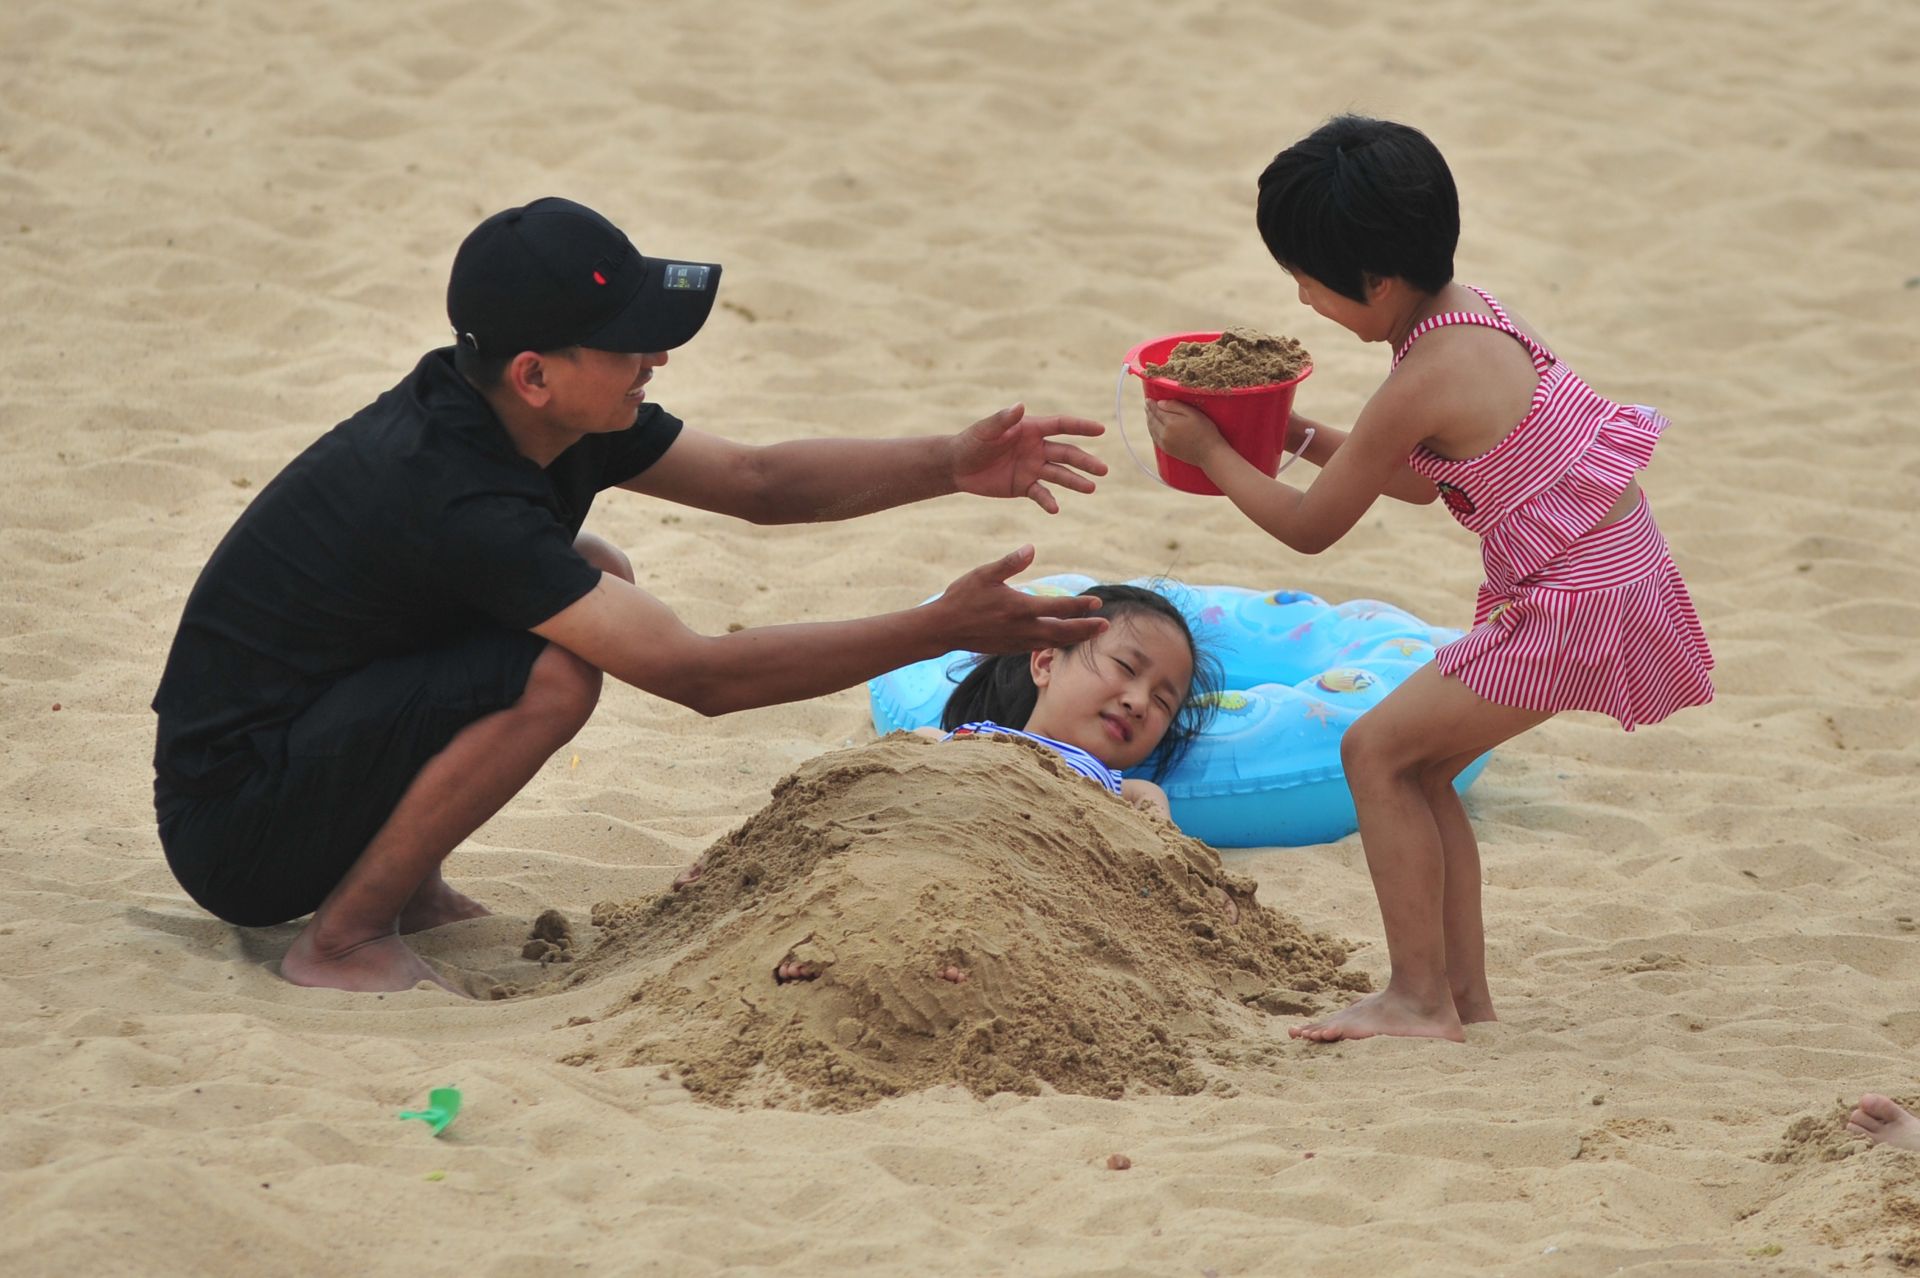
(412,522)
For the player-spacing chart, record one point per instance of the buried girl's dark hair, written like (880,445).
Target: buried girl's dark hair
(1000,687)
(1360,198)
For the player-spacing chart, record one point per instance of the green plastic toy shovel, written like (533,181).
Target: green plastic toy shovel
(443,1106)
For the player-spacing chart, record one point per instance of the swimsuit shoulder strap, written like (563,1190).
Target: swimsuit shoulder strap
(1498,321)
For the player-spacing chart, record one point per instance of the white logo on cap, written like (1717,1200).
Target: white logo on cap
(685,275)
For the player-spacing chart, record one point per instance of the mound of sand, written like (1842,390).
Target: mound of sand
(1098,950)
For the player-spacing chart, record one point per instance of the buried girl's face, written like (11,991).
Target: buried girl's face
(1115,695)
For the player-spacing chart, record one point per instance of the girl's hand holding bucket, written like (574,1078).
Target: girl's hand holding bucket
(1182,431)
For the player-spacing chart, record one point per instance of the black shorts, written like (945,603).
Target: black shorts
(272,849)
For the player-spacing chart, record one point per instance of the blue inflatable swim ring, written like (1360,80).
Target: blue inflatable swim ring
(1297,670)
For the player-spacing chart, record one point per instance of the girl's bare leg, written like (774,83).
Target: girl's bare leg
(1415,851)
(1460,905)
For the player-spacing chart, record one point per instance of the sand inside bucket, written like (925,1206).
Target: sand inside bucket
(1103,952)
(1239,357)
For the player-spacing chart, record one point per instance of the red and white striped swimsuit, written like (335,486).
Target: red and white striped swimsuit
(1570,617)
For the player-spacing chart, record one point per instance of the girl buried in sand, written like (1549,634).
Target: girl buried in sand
(1581,609)
(1137,694)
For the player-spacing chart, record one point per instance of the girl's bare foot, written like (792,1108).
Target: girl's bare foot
(1385,1013)
(1474,1009)
(1883,1122)
(382,964)
(689,875)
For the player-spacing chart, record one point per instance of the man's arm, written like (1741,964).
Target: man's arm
(632,636)
(808,480)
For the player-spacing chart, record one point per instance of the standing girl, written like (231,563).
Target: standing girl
(1582,608)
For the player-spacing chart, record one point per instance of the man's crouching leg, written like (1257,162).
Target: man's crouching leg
(395,886)
(352,942)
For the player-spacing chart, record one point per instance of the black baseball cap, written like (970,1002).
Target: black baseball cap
(554,273)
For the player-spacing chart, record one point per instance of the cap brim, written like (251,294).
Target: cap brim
(672,302)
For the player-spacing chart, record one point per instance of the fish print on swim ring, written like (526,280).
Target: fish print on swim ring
(1344,679)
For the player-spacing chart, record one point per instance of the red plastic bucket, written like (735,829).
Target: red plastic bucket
(1253,419)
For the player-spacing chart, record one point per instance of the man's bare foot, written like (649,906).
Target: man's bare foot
(1884,1122)
(955,973)
(1384,1013)
(435,903)
(381,964)
(793,971)
(691,874)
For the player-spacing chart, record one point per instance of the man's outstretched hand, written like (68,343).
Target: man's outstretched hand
(980,612)
(1012,455)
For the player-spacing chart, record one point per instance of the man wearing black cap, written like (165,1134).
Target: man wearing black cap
(408,620)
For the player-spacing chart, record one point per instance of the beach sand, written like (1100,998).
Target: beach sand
(225,226)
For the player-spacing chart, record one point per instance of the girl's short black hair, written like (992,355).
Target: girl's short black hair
(1000,687)
(1358,198)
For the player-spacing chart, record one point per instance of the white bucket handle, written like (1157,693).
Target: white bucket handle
(1120,420)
